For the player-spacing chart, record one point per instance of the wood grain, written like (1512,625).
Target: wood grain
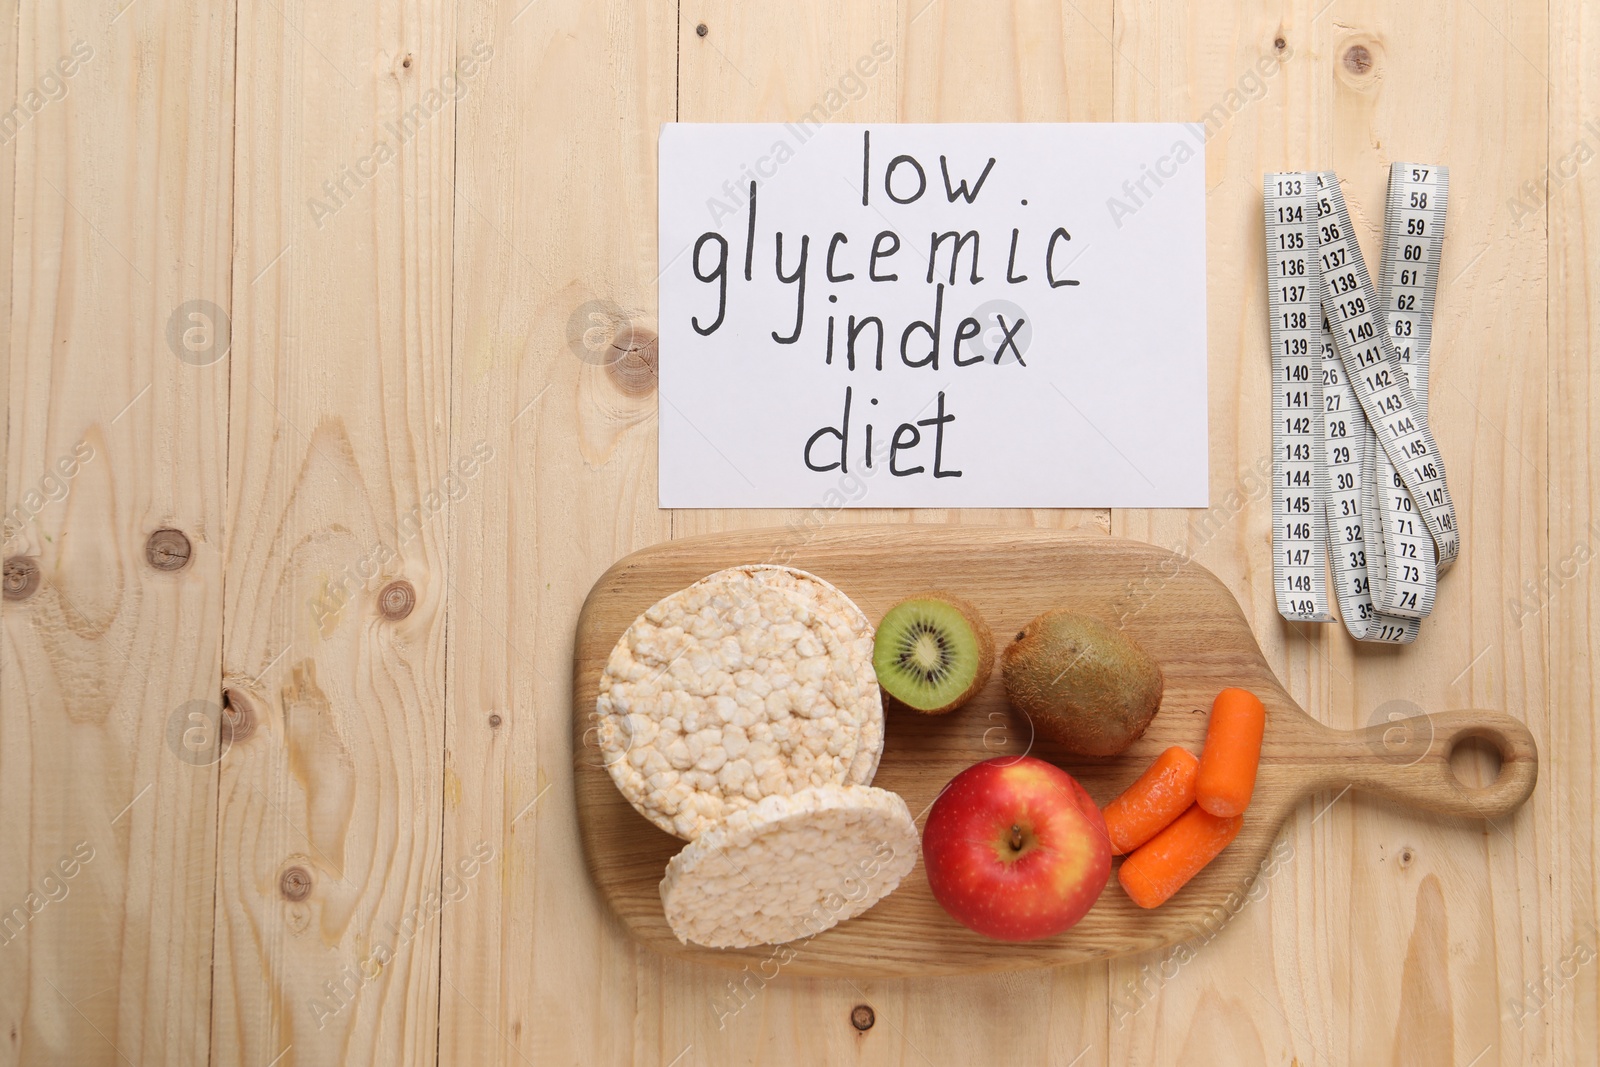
(120,213)
(1180,613)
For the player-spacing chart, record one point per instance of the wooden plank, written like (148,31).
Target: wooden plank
(1432,887)
(1368,85)
(838,61)
(953,60)
(1551,989)
(1181,65)
(8,244)
(554,267)
(1200,640)
(119,218)
(329,879)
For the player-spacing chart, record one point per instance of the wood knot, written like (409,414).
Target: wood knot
(862,1017)
(633,363)
(406,62)
(21,577)
(1357,59)
(397,599)
(167,550)
(295,884)
(701,30)
(1406,856)
(238,716)
(1279,43)
(494,720)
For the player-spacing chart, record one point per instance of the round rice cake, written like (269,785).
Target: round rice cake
(790,867)
(752,681)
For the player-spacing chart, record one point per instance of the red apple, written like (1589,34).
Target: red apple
(1015,849)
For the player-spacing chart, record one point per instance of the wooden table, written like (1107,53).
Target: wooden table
(331,290)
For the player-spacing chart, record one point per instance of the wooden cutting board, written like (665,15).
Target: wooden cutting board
(1180,612)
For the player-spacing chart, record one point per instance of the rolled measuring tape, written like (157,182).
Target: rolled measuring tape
(1357,478)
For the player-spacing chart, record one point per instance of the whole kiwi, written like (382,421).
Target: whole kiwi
(1082,683)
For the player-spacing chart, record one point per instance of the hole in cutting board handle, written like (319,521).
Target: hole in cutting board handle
(1476,742)
(1477,757)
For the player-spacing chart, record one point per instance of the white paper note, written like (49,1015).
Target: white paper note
(1039,291)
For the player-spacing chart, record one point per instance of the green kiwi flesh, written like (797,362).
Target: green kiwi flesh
(933,652)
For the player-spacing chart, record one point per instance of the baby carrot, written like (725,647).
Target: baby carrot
(1232,752)
(1164,864)
(1163,792)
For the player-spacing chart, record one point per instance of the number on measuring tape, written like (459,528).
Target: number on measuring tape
(1368,453)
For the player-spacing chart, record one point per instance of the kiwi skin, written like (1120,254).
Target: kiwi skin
(1083,684)
(985,637)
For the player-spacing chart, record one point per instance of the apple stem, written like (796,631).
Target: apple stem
(1016,838)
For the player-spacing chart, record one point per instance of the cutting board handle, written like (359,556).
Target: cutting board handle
(1408,760)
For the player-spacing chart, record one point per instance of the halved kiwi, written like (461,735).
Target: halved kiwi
(933,652)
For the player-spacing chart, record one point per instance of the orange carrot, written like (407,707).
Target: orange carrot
(1162,793)
(1232,753)
(1164,864)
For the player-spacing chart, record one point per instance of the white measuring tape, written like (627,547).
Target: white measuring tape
(1357,478)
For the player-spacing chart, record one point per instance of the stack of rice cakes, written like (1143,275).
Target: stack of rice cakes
(743,715)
